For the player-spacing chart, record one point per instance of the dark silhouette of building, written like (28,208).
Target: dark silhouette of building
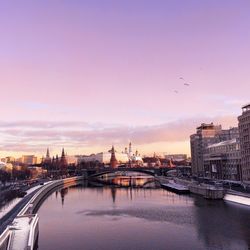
(113,161)
(63,163)
(47,159)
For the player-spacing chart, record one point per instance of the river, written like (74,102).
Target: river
(87,217)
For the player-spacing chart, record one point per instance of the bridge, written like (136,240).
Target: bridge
(148,171)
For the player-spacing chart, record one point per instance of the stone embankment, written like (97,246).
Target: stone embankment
(23,232)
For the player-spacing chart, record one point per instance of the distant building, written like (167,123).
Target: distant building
(223,160)
(244,129)
(8,159)
(176,157)
(205,135)
(6,166)
(122,157)
(29,159)
(36,172)
(104,157)
(71,160)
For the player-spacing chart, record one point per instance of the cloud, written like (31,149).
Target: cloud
(35,136)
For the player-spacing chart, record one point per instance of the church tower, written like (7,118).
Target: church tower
(113,161)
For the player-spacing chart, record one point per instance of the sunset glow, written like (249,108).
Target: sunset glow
(88,74)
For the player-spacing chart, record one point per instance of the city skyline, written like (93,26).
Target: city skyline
(86,75)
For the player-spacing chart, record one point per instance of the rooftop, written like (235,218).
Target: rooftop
(246,107)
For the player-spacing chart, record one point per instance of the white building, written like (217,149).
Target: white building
(122,157)
(104,157)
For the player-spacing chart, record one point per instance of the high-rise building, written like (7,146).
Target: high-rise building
(244,129)
(205,135)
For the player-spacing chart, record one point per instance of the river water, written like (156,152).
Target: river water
(87,217)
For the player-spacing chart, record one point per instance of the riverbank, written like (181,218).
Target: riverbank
(237,197)
(20,234)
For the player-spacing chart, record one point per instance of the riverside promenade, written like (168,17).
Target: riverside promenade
(22,231)
(9,214)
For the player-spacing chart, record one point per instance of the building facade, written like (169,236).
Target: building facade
(207,135)
(176,157)
(244,130)
(223,160)
(204,136)
(29,159)
(104,157)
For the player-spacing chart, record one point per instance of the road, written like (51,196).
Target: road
(10,216)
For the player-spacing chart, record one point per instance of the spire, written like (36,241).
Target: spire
(47,159)
(63,153)
(130,148)
(47,154)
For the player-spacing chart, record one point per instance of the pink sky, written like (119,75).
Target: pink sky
(86,74)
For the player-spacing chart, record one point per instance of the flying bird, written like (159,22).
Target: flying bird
(176,91)
(187,84)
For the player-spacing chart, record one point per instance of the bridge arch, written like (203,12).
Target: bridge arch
(150,172)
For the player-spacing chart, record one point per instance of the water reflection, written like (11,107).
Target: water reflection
(128,179)
(63,192)
(136,218)
(113,193)
(222,225)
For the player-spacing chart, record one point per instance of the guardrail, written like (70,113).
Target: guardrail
(33,232)
(4,239)
(28,211)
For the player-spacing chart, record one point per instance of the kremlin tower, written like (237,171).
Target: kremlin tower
(113,161)
(63,163)
(47,159)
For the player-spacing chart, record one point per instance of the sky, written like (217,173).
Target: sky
(88,74)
